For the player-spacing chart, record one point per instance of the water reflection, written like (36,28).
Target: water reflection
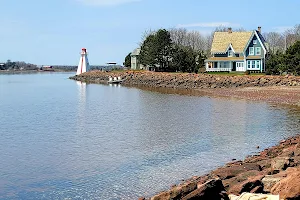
(81,93)
(81,107)
(114,85)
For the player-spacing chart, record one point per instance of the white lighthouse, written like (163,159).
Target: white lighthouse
(83,62)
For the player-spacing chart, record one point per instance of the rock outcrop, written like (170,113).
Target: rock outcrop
(275,171)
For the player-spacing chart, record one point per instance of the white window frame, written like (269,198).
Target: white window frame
(254,41)
(249,64)
(257,49)
(257,64)
(230,53)
(253,64)
(240,64)
(251,53)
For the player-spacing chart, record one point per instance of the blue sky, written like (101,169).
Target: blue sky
(54,31)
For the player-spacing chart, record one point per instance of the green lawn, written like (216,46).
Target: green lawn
(235,73)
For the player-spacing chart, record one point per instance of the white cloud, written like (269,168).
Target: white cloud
(106,2)
(208,25)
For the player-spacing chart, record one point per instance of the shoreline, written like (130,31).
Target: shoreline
(31,71)
(273,89)
(275,170)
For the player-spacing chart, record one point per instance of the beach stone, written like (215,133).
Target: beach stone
(229,183)
(235,169)
(280,163)
(162,196)
(182,190)
(257,189)
(247,185)
(289,187)
(176,192)
(269,181)
(212,189)
(297,150)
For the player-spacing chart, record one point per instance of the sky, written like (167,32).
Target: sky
(52,32)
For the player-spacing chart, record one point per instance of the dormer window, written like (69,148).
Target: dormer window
(254,41)
(230,53)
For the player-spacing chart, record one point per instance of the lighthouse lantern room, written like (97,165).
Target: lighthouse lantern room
(83,62)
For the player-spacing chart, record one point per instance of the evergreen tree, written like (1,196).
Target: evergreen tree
(127,62)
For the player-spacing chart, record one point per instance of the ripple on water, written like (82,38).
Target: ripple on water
(63,140)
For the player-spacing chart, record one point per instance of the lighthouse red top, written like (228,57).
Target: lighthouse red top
(83,49)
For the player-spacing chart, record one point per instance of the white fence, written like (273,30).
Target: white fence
(218,69)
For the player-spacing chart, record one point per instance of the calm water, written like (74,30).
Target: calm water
(64,140)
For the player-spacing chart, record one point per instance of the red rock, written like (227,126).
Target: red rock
(176,192)
(269,181)
(229,183)
(232,171)
(247,185)
(212,189)
(280,163)
(289,187)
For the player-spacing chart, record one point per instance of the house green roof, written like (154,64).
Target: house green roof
(222,40)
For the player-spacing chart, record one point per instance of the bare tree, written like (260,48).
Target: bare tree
(178,36)
(292,35)
(276,41)
(145,34)
(192,39)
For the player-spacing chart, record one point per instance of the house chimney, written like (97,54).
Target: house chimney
(229,30)
(259,29)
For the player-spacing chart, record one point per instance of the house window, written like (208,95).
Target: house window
(251,51)
(239,64)
(224,64)
(230,53)
(248,64)
(257,50)
(258,64)
(254,41)
(253,64)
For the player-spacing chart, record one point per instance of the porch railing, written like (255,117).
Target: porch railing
(218,69)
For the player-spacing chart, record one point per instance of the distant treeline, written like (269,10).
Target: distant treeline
(92,67)
(17,65)
(23,66)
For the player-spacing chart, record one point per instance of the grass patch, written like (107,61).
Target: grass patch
(235,73)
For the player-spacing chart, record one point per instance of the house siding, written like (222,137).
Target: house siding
(255,45)
(134,63)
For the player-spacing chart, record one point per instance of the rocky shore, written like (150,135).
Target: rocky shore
(275,170)
(188,81)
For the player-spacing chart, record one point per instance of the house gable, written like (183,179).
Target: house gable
(255,47)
